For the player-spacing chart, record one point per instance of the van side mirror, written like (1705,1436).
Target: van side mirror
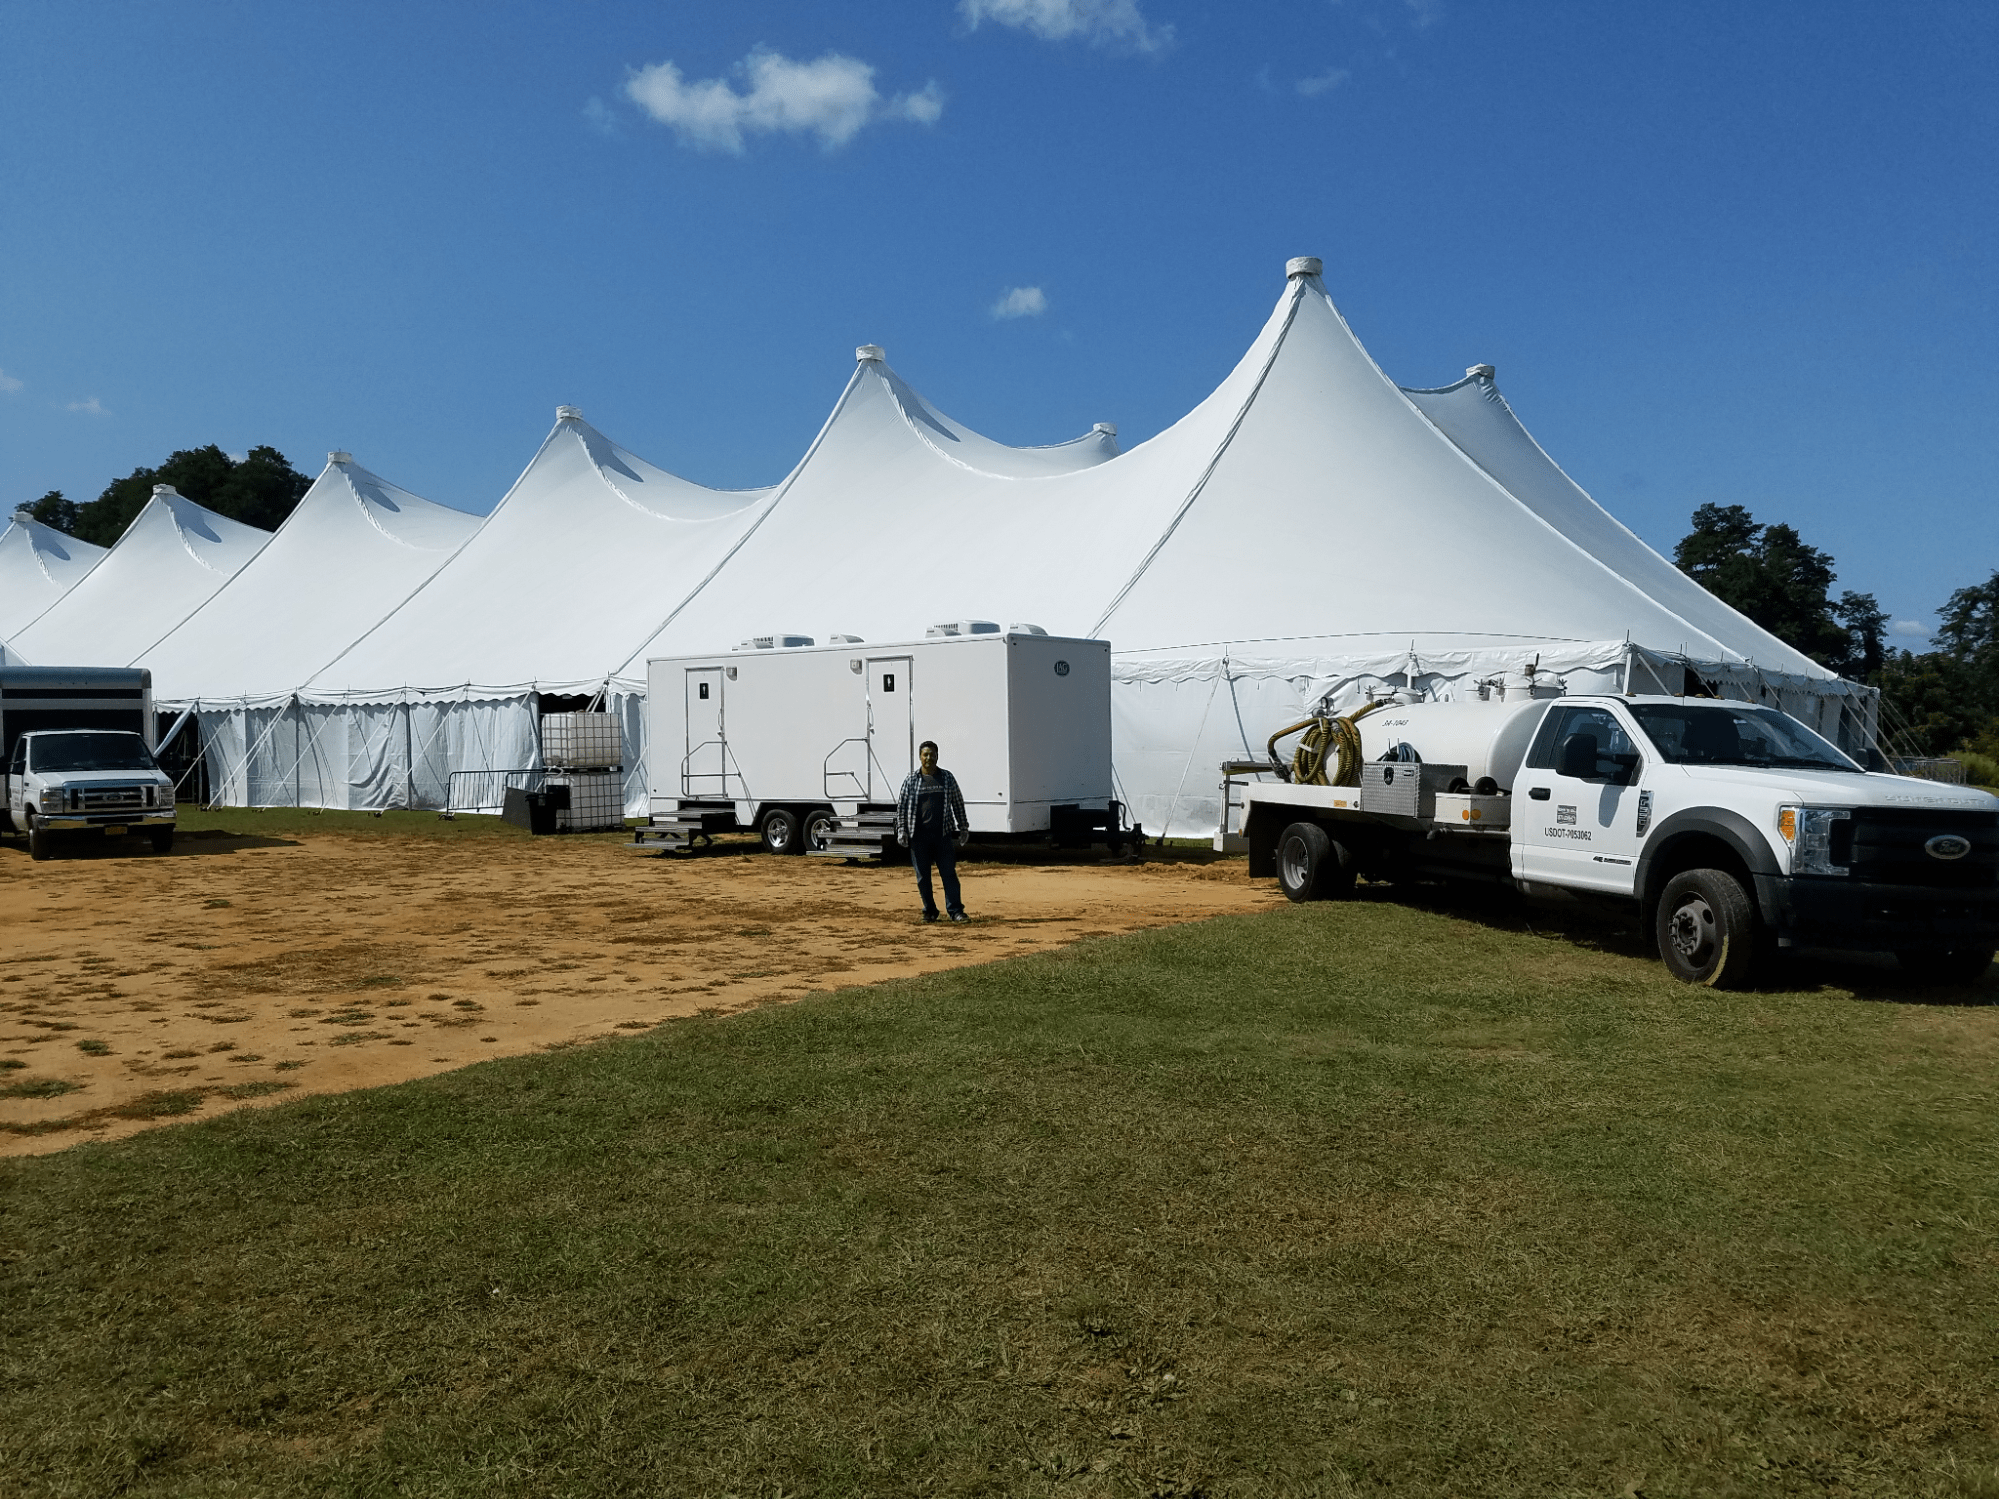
(1577,757)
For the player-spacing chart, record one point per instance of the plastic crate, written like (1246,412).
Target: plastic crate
(582,741)
(596,801)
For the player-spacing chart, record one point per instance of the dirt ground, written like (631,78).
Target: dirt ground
(242,969)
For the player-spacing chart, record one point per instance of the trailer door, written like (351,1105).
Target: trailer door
(891,726)
(704,773)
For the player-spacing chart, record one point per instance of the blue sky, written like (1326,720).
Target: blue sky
(1735,253)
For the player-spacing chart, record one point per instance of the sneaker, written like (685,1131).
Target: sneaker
(930,916)
(958,916)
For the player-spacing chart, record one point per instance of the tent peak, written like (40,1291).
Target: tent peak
(160,490)
(1479,372)
(569,414)
(1303,265)
(871,354)
(1108,429)
(339,456)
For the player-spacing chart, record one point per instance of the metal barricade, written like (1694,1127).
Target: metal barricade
(485,791)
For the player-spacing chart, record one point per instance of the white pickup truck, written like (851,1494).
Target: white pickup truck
(87,783)
(1732,828)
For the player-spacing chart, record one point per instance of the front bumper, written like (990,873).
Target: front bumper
(136,822)
(1832,913)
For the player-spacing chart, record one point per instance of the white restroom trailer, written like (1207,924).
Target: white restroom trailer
(796,741)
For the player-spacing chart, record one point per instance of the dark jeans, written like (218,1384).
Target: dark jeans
(942,852)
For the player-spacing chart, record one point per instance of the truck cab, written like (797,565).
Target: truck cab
(87,783)
(1733,828)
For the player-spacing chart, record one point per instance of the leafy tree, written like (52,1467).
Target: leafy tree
(55,509)
(1773,577)
(260,490)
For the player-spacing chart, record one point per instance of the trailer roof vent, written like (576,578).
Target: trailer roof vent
(1025,630)
(775,642)
(846,640)
(963,627)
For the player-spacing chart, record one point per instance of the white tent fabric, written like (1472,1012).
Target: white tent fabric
(38,565)
(354,548)
(170,560)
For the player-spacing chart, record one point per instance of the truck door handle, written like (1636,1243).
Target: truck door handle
(1538,793)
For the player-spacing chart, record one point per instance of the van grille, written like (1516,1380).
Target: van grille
(1887,847)
(111,798)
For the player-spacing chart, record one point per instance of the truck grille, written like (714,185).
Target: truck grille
(111,798)
(1887,847)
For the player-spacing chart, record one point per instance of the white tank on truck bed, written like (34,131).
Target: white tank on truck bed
(1489,739)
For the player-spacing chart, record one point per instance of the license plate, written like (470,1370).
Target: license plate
(112,830)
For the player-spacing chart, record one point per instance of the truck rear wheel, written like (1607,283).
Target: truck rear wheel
(1312,865)
(1945,965)
(41,843)
(780,832)
(1707,930)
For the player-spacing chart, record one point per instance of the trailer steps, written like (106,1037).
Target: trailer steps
(864,836)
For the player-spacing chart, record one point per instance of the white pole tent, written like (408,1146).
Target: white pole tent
(38,565)
(353,548)
(173,556)
(1306,532)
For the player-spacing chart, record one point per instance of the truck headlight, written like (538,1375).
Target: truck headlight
(1808,832)
(52,799)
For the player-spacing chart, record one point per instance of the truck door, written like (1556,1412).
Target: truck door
(1575,802)
(891,726)
(704,773)
(17,787)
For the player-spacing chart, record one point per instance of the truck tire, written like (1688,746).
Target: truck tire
(163,841)
(779,830)
(41,843)
(1945,965)
(820,826)
(1312,865)
(1707,930)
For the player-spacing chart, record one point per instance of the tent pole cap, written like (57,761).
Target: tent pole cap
(165,489)
(870,354)
(1108,429)
(1479,372)
(1303,265)
(339,456)
(569,414)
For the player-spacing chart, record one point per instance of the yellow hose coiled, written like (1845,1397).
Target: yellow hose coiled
(1326,737)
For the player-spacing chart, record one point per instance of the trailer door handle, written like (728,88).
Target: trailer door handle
(1538,793)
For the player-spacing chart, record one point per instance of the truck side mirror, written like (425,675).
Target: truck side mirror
(1578,757)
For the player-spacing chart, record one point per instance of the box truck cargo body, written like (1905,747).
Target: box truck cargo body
(1023,721)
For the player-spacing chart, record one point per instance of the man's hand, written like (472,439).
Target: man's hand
(964,837)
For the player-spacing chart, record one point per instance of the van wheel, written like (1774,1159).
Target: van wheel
(1707,930)
(780,833)
(1945,965)
(820,826)
(41,843)
(1312,865)
(163,841)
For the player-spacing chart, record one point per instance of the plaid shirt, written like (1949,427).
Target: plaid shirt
(912,789)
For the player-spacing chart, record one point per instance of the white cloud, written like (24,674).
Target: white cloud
(1914,628)
(832,97)
(1021,302)
(1323,83)
(10,384)
(1103,23)
(89,406)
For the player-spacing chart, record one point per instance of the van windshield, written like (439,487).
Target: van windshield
(1736,734)
(90,752)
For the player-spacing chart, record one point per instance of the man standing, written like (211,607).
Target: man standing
(929,816)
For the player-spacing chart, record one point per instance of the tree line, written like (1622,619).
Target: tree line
(1937,702)
(260,489)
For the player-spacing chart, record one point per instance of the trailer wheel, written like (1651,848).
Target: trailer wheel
(1945,965)
(41,843)
(1707,930)
(820,826)
(1312,865)
(163,841)
(780,832)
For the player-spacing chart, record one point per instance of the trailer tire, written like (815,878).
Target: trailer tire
(820,826)
(1312,865)
(41,843)
(779,830)
(1707,930)
(1945,965)
(163,841)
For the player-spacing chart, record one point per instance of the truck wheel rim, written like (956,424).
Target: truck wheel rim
(1294,863)
(1692,931)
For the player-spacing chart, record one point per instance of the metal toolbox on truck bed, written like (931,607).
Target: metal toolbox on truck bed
(1469,810)
(1405,788)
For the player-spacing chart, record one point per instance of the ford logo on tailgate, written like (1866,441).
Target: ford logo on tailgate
(1947,846)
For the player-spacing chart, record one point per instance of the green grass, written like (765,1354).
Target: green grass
(1355,1197)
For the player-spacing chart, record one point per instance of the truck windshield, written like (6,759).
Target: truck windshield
(1736,734)
(89,752)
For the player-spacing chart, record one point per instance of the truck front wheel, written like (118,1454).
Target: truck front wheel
(41,843)
(163,841)
(1707,930)
(1945,965)
(1312,865)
